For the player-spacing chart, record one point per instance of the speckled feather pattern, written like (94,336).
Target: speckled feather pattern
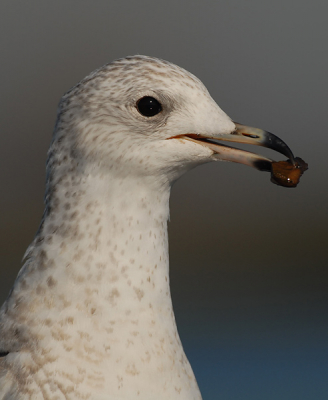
(90,314)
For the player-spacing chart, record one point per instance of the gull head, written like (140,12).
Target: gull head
(141,116)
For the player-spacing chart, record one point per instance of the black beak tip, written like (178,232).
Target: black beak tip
(262,165)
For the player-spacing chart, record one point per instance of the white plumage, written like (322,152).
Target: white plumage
(90,315)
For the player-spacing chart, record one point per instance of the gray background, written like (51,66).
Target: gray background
(248,258)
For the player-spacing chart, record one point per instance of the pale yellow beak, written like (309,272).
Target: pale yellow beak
(248,135)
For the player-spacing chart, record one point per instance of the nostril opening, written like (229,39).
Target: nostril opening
(251,136)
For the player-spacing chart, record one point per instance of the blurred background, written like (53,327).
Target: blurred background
(248,258)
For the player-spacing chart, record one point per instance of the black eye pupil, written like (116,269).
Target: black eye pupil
(148,106)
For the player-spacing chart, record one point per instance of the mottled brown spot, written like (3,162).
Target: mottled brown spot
(140,293)
(132,370)
(51,282)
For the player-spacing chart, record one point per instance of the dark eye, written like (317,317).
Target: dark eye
(148,106)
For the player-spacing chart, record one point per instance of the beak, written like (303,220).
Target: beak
(248,135)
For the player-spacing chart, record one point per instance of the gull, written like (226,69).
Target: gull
(90,314)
